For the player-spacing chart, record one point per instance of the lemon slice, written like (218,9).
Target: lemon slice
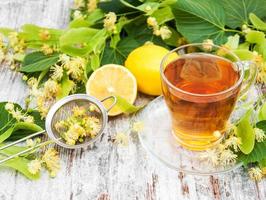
(112,79)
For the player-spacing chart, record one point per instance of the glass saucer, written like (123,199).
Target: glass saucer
(156,137)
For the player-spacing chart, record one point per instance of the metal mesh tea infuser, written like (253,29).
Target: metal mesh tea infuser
(60,111)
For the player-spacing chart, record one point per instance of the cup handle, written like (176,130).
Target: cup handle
(113,104)
(250,73)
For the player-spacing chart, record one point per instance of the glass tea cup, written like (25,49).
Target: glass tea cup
(201,84)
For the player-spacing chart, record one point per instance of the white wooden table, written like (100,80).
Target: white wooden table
(105,171)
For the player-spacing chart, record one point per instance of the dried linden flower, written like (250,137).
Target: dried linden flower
(75,67)
(46,49)
(109,22)
(165,32)
(58,72)
(121,139)
(207,44)
(78,4)
(51,161)
(138,126)
(34,166)
(44,34)
(9,107)
(210,156)
(259,134)
(227,157)
(233,142)
(92,5)
(77,14)
(255,173)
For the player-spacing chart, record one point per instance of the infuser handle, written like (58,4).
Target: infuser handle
(113,104)
(250,73)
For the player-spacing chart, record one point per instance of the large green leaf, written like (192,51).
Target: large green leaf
(82,41)
(37,61)
(199,20)
(259,151)
(237,11)
(21,165)
(246,133)
(19,126)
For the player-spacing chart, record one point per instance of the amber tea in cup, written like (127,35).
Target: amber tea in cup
(200,89)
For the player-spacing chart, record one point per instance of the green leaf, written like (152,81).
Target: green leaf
(127,107)
(246,133)
(163,15)
(37,61)
(262,163)
(262,112)
(77,23)
(237,11)
(153,6)
(82,41)
(21,165)
(19,126)
(6,31)
(66,87)
(255,37)
(199,20)
(244,54)
(31,34)
(94,61)
(257,22)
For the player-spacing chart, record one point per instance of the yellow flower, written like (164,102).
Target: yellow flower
(51,160)
(152,22)
(9,107)
(165,32)
(78,111)
(78,4)
(28,119)
(109,22)
(227,157)
(74,133)
(61,125)
(92,5)
(75,68)
(93,125)
(259,134)
(233,142)
(58,72)
(217,134)
(17,114)
(121,139)
(255,173)
(34,166)
(32,82)
(207,44)
(17,44)
(138,126)
(77,14)
(44,34)
(51,87)
(64,58)
(211,156)
(46,49)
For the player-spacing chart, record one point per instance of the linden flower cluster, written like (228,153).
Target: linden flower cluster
(109,22)
(122,138)
(18,114)
(49,160)
(162,31)
(225,153)
(82,123)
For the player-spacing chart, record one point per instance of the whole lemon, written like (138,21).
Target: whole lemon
(144,62)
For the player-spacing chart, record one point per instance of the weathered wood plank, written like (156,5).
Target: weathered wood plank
(105,171)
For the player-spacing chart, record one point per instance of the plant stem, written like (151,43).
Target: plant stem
(234,31)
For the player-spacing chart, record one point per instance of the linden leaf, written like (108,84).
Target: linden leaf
(246,133)
(37,62)
(199,20)
(257,22)
(258,153)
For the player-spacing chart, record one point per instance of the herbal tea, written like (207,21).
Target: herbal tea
(198,112)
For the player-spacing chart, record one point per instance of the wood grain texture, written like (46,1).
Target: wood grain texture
(105,171)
